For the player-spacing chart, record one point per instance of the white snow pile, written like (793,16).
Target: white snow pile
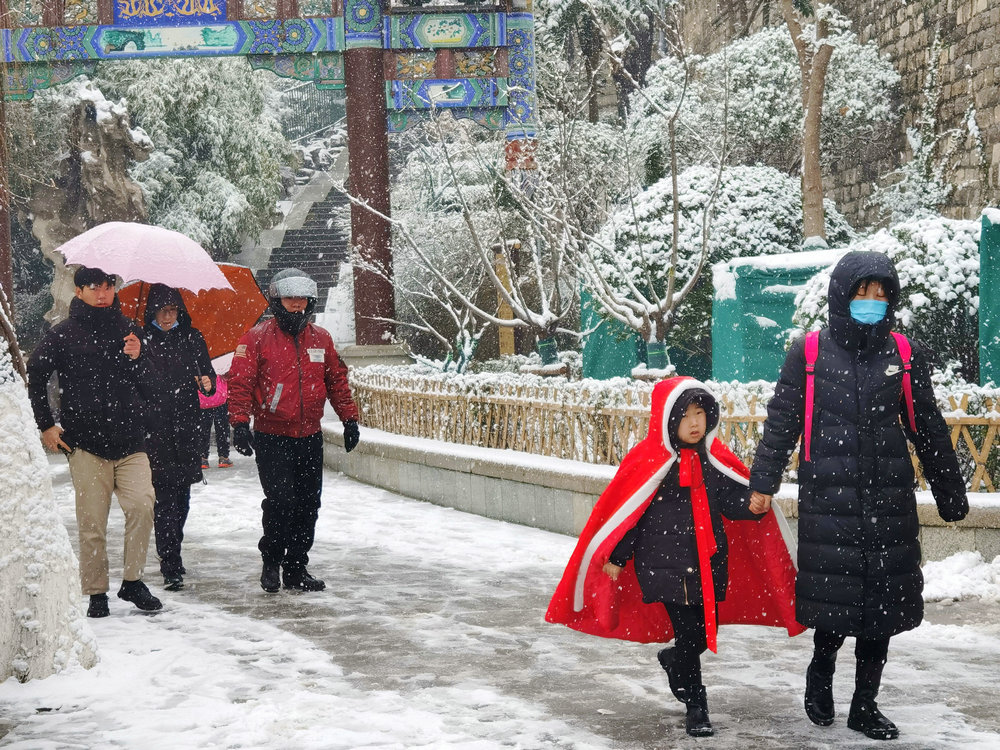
(964,575)
(42,629)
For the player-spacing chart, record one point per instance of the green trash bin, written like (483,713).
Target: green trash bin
(752,311)
(989,298)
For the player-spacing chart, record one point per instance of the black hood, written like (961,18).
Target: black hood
(849,272)
(160,295)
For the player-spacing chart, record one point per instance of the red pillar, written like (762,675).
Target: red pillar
(368,175)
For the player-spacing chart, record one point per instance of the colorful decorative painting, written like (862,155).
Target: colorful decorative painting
(326,69)
(474,63)
(25,12)
(478,66)
(447,93)
(415,64)
(363,23)
(444,30)
(80,12)
(171,12)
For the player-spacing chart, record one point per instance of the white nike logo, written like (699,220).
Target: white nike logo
(891,369)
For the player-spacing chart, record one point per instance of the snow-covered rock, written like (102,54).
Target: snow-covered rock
(42,629)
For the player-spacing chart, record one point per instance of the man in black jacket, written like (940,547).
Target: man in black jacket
(101,430)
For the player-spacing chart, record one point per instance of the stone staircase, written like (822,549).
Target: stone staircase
(307,238)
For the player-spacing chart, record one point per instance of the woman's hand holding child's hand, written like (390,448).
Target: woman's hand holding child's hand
(760,503)
(612,570)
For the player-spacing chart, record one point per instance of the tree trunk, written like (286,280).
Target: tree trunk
(813,65)
(813,217)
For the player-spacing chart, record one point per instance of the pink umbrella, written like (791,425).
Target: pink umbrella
(143,252)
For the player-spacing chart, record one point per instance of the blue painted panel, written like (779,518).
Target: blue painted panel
(168,12)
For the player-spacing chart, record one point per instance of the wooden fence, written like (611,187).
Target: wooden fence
(572,424)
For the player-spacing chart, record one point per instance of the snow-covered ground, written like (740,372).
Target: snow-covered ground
(430,635)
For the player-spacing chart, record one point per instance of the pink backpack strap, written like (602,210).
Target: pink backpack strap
(903,344)
(812,353)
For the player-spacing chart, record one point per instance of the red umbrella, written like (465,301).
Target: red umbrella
(222,315)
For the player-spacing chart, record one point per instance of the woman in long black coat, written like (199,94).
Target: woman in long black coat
(176,366)
(859,553)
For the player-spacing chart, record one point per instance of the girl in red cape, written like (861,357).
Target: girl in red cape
(652,561)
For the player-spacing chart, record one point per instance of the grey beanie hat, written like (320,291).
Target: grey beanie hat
(292,283)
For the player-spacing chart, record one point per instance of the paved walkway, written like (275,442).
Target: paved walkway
(424,597)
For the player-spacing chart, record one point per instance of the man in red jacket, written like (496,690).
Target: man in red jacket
(283,371)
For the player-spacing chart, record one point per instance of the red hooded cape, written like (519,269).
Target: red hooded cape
(761,569)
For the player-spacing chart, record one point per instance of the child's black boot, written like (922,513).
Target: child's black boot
(819,691)
(697,723)
(867,719)
(666,658)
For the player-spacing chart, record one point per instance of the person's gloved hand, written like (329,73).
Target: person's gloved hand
(351,435)
(243,439)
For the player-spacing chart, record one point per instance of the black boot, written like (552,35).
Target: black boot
(697,723)
(867,719)
(666,658)
(270,579)
(98,606)
(137,593)
(299,579)
(819,691)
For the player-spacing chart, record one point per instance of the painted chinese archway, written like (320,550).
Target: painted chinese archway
(396,62)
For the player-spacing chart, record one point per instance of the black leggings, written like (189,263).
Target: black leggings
(871,654)
(689,641)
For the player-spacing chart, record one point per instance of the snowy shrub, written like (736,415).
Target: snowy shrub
(937,260)
(761,75)
(512,363)
(215,173)
(757,211)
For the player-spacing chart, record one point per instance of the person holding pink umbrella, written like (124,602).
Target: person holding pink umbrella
(101,430)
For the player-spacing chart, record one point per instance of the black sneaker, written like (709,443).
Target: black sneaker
(300,580)
(137,593)
(98,606)
(270,578)
(173,582)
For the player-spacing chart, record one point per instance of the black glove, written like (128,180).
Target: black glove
(243,439)
(351,435)
(952,507)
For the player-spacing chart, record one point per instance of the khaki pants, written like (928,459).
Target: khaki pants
(94,479)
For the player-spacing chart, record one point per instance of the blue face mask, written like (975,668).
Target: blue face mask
(868,311)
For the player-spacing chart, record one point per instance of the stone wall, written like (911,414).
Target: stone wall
(969,74)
